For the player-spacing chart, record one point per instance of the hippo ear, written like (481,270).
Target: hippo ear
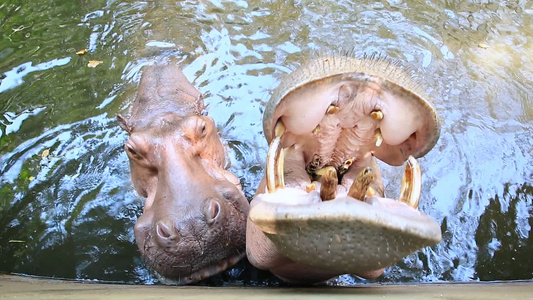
(123,123)
(200,108)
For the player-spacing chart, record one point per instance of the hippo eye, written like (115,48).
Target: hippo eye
(195,129)
(203,129)
(228,194)
(132,152)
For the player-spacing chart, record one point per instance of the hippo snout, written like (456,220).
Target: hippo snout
(167,232)
(174,232)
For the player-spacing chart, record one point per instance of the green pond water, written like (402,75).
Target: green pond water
(67,208)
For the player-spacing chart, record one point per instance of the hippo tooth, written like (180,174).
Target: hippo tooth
(379,137)
(377,115)
(280,166)
(332,109)
(346,165)
(370,192)
(280,128)
(411,183)
(310,187)
(316,130)
(274,168)
(329,182)
(361,184)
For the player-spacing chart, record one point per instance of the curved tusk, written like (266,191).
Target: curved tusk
(280,128)
(361,184)
(276,161)
(411,183)
(280,167)
(274,168)
(329,182)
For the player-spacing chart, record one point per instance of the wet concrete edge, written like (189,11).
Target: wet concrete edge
(22,287)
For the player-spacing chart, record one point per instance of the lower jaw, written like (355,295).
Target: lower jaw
(203,273)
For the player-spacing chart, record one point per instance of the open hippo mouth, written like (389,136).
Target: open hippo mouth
(320,211)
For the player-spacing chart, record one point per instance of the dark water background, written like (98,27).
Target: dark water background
(67,209)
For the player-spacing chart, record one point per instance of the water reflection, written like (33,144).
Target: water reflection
(13,78)
(503,235)
(70,213)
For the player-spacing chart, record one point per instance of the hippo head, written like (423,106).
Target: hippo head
(321,210)
(195,212)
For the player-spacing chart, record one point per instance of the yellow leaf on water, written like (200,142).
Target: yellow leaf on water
(81,52)
(94,63)
(483,46)
(45,153)
(17,241)
(75,176)
(31,178)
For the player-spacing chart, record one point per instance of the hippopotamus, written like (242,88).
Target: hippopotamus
(320,210)
(194,217)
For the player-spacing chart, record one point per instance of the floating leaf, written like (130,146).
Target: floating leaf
(94,63)
(45,153)
(75,176)
(483,46)
(82,52)
(17,241)
(31,178)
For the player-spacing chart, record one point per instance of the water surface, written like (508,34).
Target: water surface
(67,208)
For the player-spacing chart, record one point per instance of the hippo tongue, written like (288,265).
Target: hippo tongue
(355,236)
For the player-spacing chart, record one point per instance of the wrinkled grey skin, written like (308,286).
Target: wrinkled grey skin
(192,226)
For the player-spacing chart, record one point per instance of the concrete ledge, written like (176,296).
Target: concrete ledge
(18,287)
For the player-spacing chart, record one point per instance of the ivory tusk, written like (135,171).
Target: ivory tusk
(280,128)
(276,160)
(411,183)
(280,167)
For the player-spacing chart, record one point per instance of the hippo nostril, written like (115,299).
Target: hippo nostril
(165,231)
(213,211)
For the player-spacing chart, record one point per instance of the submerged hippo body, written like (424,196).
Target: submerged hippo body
(193,223)
(320,211)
